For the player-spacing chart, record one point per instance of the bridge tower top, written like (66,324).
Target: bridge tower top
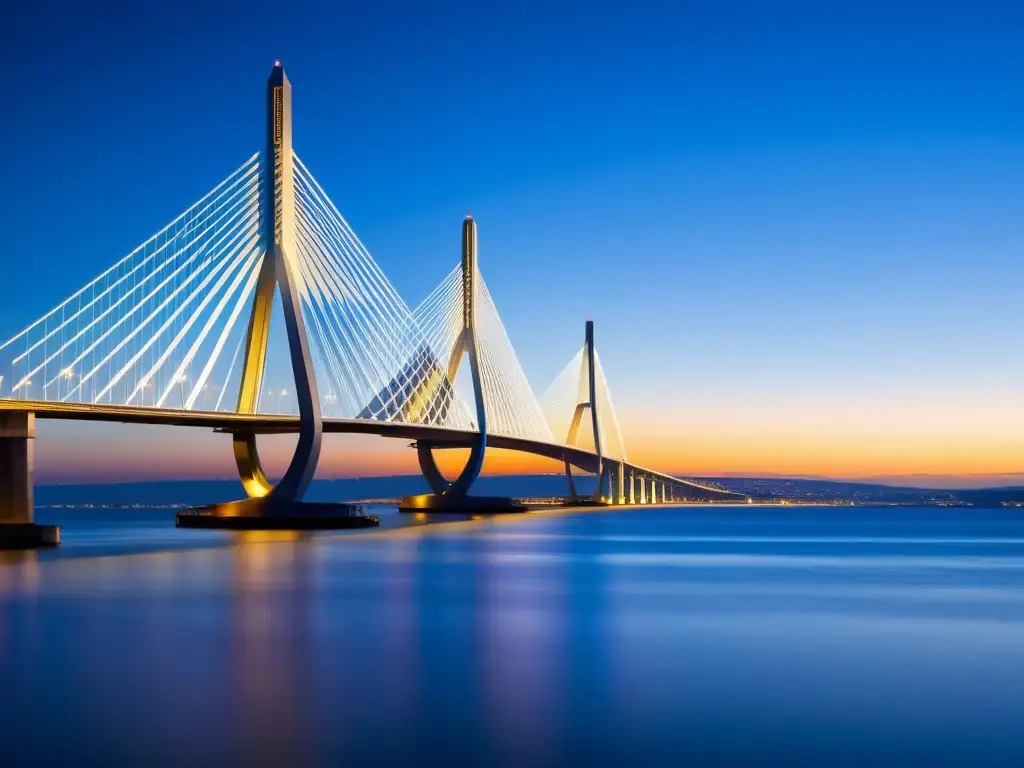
(468,273)
(278,209)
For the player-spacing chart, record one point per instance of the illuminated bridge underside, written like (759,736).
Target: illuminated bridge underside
(441,437)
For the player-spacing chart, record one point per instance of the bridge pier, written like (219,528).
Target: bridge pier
(607,487)
(611,482)
(17,514)
(632,486)
(620,483)
(572,484)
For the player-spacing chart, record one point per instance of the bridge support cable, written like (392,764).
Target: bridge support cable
(84,298)
(440,316)
(377,342)
(371,348)
(137,328)
(512,405)
(560,401)
(350,311)
(230,276)
(611,433)
(241,286)
(100,342)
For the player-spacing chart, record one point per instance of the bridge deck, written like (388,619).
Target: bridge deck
(441,437)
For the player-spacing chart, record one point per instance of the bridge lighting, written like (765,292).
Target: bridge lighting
(67,373)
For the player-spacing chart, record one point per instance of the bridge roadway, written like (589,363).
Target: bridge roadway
(440,437)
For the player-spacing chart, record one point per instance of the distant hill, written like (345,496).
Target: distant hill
(833,491)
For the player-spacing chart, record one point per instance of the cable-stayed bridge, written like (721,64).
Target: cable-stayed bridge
(178,332)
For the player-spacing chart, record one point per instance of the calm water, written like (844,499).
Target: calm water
(728,636)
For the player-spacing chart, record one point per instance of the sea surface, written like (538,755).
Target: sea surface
(636,636)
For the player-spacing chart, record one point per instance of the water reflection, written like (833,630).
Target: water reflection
(656,636)
(270,614)
(19,571)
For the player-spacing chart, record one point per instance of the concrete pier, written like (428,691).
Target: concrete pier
(17,518)
(267,514)
(432,502)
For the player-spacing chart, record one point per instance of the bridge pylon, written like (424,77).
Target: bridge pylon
(278,273)
(278,505)
(454,494)
(604,476)
(465,346)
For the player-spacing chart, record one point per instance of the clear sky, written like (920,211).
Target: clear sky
(797,226)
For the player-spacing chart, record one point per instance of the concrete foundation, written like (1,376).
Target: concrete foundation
(17,519)
(264,514)
(462,504)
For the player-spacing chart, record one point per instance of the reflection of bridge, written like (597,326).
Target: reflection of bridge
(157,339)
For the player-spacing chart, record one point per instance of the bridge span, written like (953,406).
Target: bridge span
(178,333)
(671,488)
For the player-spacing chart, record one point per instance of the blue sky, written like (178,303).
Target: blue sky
(777,214)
